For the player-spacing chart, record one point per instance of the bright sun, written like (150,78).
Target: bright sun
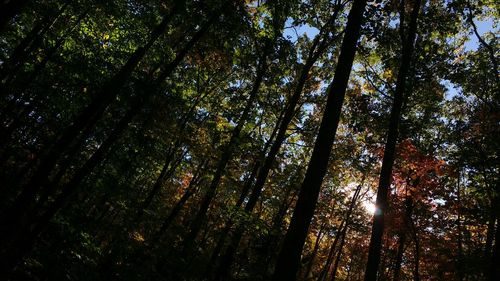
(369,207)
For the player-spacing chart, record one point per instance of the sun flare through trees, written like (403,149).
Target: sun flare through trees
(220,140)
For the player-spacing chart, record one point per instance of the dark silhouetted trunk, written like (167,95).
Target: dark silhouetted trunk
(314,252)
(489,47)
(289,257)
(318,47)
(165,173)
(190,190)
(407,220)
(390,146)
(416,255)
(495,257)
(92,113)
(340,234)
(28,44)
(460,270)
(339,253)
(227,151)
(40,178)
(30,226)
(21,223)
(7,130)
(399,255)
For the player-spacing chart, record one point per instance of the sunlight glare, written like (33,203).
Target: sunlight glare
(369,207)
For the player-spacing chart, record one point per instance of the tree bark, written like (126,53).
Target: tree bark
(28,44)
(25,231)
(227,151)
(314,251)
(190,190)
(40,180)
(289,257)
(390,146)
(90,115)
(13,123)
(318,47)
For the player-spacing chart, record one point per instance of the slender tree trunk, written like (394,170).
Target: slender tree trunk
(399,255)
(27,229)
(227,152)
(416,241)
(340,233)
(91,114)
(314,251)
(319,46)
(460,270)
(160,180)
(190,190)
(495,258)
(491,49)
(289,257)
(28,44)
(339,253)
(390,146)
(40,178)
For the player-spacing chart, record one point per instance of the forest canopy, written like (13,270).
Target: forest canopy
(250,140)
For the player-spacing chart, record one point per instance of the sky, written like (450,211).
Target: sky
(472,44)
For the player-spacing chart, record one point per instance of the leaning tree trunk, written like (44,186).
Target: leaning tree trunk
(21,220)
(495,256)
(289,256)
(318,47)
(40,181)
(390,146)
(310,264)
(227,151)
(29,43)
(87,118)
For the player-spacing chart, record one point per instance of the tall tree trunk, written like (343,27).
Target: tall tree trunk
(339,253)
(18,242)
(489,48)
(399,255)
(91,114)
(243,195)
(340,233)
(314,251)
(8,129)
(416,260)
(289,257)
(40,178)
(286,117)
(20,220)
(331,253)
(390,146)
(227,151)
(318,47)
(28,44)
(495,258)
(190,190)
(165,173)
(460,269)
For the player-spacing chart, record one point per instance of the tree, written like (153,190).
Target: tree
(289,257)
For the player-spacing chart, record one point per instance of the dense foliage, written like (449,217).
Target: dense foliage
(249,140)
